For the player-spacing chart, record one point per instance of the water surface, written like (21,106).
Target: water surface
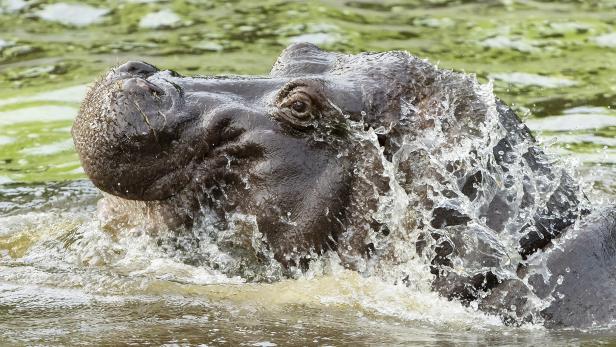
(65,280)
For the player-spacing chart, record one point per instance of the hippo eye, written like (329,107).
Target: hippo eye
(299,106)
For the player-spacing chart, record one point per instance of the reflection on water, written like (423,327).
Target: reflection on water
(64,280)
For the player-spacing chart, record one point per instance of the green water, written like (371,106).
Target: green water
(553,61)
(564,48)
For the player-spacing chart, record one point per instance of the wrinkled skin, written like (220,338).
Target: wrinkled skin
(282,148)
(144,134)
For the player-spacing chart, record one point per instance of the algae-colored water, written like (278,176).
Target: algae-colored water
(62,282)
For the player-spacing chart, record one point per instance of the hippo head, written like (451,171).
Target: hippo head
(302,150)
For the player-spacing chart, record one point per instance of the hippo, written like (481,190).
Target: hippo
(376,159)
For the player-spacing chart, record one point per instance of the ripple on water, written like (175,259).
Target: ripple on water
(572,122)
(74,94)
(505,42)
(44,113)
(4,44)
(6,140)
(52,148)
(316,38)
(21,198)
(607,40)
(72,14)
(575,119)
(38,126)
(161,19)
(527,79)
(12,6)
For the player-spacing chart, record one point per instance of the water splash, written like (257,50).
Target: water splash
(445,178)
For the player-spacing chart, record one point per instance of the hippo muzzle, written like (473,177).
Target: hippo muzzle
(129,133)
(140,130)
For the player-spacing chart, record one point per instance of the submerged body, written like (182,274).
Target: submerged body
(315,156)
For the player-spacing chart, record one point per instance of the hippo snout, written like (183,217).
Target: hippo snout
(142,133)
(137,85)
(129,133)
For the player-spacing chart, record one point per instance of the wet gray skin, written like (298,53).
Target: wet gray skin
(281,148)
(238,144)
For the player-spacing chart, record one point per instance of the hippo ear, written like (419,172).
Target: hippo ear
(303,59)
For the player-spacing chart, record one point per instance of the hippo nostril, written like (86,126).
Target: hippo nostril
(137,68)
(134,84)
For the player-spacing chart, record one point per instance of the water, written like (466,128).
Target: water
(68,275)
